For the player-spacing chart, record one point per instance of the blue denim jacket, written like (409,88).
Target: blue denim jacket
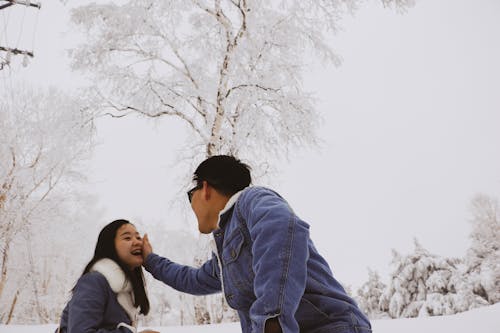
(94,308)
(270,268)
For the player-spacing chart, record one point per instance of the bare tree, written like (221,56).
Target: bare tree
(231,70)
(44,135)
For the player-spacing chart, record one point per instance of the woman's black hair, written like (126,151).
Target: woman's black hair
(105,248)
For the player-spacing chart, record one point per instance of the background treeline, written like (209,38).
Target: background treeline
(425,284)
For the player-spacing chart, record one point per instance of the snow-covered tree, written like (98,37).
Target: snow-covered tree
(44,135)
(420,284)
(230,70)
(425,284)
(368,295)
(483,255)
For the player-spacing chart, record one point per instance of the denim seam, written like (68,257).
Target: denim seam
(243,228)
(320,284)
(316,308)
(286,266)
(233,235)
(356,324)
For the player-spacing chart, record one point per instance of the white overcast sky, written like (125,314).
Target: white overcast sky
(411,133)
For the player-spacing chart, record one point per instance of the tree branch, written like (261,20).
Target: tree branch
(199,99)
(175,112)
(230,90)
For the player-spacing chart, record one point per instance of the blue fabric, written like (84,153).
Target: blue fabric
(93,308)
(270,268)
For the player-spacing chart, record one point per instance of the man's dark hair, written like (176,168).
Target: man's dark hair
(225,173)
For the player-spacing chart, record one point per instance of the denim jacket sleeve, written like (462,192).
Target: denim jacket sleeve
(280,253)
(196,281)
(86,308)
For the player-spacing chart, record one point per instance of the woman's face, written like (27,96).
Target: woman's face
(128,244)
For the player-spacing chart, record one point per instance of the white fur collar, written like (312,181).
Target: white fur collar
(120,285)
(113,273)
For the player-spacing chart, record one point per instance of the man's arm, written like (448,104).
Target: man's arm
(195,281)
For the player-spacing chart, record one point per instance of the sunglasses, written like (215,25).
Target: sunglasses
(191,191)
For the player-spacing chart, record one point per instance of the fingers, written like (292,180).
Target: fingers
(147,249)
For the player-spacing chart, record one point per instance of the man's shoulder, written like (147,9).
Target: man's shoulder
(257,190)
(256,193)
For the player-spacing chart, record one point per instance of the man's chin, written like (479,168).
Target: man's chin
(205,228)
(205,232)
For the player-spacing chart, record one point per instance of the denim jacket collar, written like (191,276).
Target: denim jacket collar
(230,203)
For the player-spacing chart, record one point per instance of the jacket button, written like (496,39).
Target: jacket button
(233,254)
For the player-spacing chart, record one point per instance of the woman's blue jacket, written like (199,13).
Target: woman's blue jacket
(94,307)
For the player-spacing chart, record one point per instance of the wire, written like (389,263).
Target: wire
(34,31)
(5,23)
(4,61)
(22,26)
(7,79)
(14,49)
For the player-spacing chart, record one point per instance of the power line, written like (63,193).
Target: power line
(8,3)
(14,50)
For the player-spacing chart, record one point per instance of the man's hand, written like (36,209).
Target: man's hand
(147,249)
(272,326)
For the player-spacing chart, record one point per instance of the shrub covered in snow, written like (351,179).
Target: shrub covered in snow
(368,295)
(483,257)
(420,284)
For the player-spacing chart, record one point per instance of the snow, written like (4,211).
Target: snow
(484,320)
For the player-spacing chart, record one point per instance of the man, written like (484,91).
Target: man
(263,259)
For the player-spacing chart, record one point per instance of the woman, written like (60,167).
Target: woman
(110,294)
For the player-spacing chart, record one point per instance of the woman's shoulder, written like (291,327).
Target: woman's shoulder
(92,280)
(106,273)
(93,276)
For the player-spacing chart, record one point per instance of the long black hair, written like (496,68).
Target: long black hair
(105,248)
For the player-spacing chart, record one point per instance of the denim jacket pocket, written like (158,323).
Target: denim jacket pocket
(238,272)
(232,247)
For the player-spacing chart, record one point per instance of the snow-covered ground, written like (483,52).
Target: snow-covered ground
(482,320)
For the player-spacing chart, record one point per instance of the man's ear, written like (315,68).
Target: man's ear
(206,190)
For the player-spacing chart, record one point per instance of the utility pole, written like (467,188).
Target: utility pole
(14,50)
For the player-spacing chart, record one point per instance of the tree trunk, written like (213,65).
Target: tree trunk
(12,307)
(3,276)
